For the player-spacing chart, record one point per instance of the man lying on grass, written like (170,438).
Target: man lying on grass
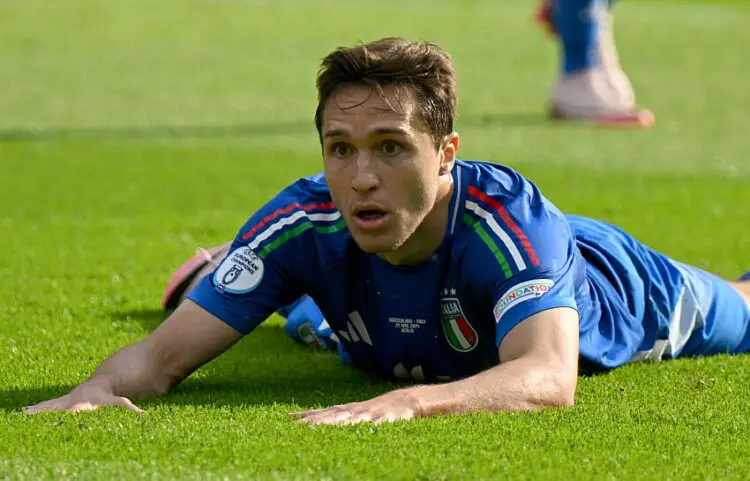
(421,266)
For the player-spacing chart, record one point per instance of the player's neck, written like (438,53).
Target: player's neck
(430,233)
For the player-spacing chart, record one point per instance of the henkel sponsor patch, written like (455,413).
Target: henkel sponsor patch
(240,272)
(521,292)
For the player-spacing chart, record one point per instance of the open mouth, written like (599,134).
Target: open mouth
(370,214)
(370,218)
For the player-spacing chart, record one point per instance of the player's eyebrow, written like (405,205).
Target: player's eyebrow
(391,131)
(376,131)
(334,133)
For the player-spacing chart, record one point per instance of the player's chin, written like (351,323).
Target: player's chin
(372,243)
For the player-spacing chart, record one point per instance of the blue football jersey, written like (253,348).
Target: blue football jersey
(508,253)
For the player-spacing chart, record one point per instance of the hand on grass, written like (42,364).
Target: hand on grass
(83,398)
(392,406)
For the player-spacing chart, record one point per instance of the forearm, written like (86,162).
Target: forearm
(519,385)
(133,371)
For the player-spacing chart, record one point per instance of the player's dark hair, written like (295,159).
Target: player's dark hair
(421,66)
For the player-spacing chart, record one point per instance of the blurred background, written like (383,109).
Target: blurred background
(134,131)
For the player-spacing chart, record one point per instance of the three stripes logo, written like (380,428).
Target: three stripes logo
(458,332)
(355,329)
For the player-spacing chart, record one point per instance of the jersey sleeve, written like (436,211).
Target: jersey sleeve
(261,273)
(531,249)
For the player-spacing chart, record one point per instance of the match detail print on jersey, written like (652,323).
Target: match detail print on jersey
(291,221)
(499,232)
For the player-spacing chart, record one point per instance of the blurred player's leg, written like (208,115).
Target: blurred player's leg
(610,60)
(593,86)
(190,273)
(656,306)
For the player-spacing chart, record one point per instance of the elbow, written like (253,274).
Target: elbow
(565,399)
(557,399)
(564,390)
(559,389)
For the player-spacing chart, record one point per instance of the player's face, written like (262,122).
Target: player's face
(385,174)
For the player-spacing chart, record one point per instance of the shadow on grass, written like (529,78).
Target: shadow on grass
(264,368)
(148,318)
(516,119)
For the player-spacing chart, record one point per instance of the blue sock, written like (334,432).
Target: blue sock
(578,32)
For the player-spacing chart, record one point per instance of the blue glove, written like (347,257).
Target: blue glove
(306,324)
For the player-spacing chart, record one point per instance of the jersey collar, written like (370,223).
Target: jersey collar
(455,211)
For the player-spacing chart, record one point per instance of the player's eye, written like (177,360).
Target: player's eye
(340,149)
(389,147)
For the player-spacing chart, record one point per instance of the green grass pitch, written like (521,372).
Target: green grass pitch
(132,132)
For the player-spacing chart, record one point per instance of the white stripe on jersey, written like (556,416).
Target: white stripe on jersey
(359,325)
(458,199)
(492,223)
(286,221)
(417,373)
(321,217)
(352,332)
(400,371)
(459,334)
(686,319)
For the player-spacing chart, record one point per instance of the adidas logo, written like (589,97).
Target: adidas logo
(356,329)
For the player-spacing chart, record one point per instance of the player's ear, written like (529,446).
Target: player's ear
(448,152)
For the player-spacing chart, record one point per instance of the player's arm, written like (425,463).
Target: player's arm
(243,291)
(536,328)
(536,325)
(190,337)
(538,369)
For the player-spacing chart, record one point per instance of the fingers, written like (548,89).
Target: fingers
(65,403)
(80,407)
(319,416)
(389,417)
(303,414)
(322,411)
(39,407)
(128,404)
(58,405)
(352,414)
(336,418)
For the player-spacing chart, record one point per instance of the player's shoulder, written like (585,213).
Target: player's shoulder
(488,180)
(506,220)
(302,210)
(310,188)
(502,192)
(303,191)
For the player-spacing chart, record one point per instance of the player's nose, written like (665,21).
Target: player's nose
(365,174)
